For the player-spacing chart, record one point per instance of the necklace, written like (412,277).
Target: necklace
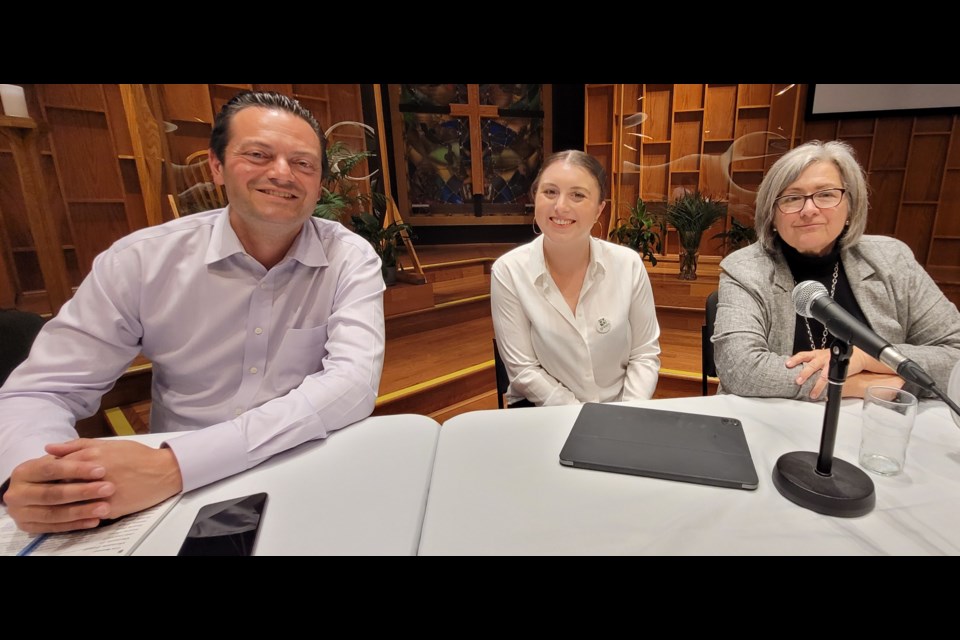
(833,289)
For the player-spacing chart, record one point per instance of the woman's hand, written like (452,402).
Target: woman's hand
(811,363)
(817,362)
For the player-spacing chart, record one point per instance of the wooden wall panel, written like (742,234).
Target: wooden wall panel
(820,130)
(599,123)
(133,196)
(914,226)
(948,214)
(11,203)
(344,104)
(933,124)
(86,159)
(891,143)
(749,95)
(720,112)
(28,271)
(87,97)
(925,168)
(117,119)
(55,203)
(856,127)
(862,147)
(286,89)
(688,96)
(97,226)
(685,150)
(953,160)
(655,174)
(186,102)
(751,121)
(945,252)
(886,189)
(190,137)
(656,104)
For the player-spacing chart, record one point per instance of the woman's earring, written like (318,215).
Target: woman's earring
(847,223)
(536,230)
(599,226)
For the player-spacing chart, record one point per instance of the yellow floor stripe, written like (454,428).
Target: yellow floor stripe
(119,423)
(421,386)
(453,303)
(454,263)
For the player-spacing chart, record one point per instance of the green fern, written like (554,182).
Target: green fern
(691,215)
(641,231)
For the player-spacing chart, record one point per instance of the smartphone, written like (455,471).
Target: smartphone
(227,528)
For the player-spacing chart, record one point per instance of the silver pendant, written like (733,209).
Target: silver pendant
(603,325)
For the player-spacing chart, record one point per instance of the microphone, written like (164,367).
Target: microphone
(811,300)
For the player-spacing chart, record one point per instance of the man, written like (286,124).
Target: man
(264,325)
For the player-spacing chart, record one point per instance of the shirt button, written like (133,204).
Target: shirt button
(238,411)
(258,331)
(253,369)
(263,286)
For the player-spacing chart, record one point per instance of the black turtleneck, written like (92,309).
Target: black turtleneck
(819,268)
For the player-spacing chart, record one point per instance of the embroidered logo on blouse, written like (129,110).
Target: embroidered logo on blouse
(603,325)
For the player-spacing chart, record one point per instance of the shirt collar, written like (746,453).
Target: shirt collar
(307,248)
(597,260)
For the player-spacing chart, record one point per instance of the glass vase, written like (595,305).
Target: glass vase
(688,265)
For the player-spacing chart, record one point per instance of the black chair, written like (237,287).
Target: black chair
(18,329)
(503,381)
(707,365)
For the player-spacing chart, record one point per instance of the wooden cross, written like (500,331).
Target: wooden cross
(474,110)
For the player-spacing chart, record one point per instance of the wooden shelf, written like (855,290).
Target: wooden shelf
(688,110)
(754,106)
(95,200)
(924,202)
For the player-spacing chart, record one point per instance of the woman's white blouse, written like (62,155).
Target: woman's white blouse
(608,351)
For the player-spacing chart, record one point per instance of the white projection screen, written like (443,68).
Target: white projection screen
(859,100)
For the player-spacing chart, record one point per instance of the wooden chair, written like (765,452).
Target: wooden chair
(503,380)
(196,188)
(707,364)
(18,329)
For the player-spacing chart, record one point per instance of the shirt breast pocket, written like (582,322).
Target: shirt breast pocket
(300,354)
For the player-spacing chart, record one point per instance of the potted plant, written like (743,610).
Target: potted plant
(383,239)
(641,232)
(691,214)
(340,194)
(737,236)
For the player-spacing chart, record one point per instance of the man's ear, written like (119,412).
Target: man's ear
(216,167)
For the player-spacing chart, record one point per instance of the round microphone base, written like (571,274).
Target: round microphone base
(846,493)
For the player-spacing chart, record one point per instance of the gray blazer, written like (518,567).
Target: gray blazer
(753,335)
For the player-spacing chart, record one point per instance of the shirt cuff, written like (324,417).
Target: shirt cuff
(209,454)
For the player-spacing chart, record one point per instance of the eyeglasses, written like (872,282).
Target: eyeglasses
(794,203)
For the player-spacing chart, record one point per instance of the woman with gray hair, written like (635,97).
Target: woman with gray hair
(811,214)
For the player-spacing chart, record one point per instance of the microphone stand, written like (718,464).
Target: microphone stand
(822,483)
